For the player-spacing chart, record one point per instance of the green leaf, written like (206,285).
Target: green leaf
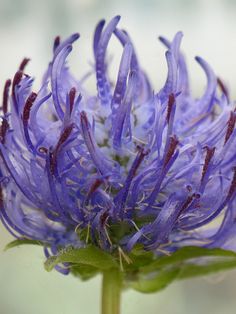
(15,243)
(185,263)
(185,254)
(86,256)
(188,271)
(157,283)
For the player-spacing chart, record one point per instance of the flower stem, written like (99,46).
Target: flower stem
(111,291)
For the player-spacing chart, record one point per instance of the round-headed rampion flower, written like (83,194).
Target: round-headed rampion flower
(123,167)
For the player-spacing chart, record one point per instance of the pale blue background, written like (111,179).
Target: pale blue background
(27,29)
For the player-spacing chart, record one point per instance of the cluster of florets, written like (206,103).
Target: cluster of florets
(124,167)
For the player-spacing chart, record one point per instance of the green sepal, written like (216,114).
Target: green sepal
(19,242)
(90,256)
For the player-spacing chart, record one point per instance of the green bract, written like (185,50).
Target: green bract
(140,270)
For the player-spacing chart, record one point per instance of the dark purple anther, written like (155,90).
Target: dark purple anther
(16,80)
(1,197)
(188,202)
(6,96)
(52,163)
(93,188)
(64,136)
(223,88)
(72,98)
(232,185)
(56,43)
(3,129)
(104,217)
(123,194)
(23,64)
(230,126)
(171,149)
(209,154)
(86,128)
(171,101)
(54,153)
(28,105)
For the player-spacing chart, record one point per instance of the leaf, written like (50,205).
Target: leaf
(188,271)
(157,283)
(185,254)
(18,242)
(185,263)
(86,256)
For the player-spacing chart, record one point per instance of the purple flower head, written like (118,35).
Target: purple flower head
(126,166)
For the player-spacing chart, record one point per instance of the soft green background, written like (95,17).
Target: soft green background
(27,29)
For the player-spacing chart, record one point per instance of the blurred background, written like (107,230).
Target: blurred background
(27,29)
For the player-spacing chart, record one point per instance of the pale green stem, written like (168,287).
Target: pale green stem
(111,291)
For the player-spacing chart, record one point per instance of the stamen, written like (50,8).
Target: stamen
(53,154)
(122,196)
(56,43)
(16,80)
(6,96)
(223,87)
(72,98)
(93,188)
(28,105)
(188,201)
(23,64)
(52,163)
(171,150)
(85,123)
(1,198)
(64,136)
(142,153)
(209,155)
(3,130)
(233,185)
(231,125)
(171,102)
(103,218)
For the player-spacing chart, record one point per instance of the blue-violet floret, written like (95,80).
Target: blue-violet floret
(125,166)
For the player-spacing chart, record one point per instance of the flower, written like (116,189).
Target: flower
(124,167)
